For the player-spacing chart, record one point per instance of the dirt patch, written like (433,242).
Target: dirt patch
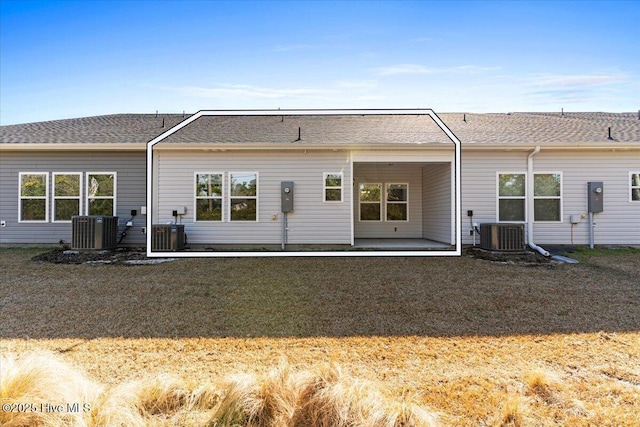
(520,258)
(124,255)
(116,256)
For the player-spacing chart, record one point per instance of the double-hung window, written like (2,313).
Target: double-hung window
(370,202)
(34,196)
(208,196)
(101,193)
(547,197)
(243,196)
(634,179)
(332,186)
(397,202)
(512,190)
(67,191)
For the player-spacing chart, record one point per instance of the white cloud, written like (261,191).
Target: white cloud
(246,91)
(418,69)
(358,84)
(587,91)
(576,80)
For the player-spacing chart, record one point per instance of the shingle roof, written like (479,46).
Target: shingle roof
(114,128)
(514,128)
(347,129)
(544,128)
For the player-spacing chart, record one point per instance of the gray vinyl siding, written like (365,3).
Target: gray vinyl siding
(129,166)
(436,195)
(619,223)
(384,173)
(478,182)
(313,221)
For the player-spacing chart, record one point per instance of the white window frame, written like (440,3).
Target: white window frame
(633,187)
(196,197)
(380,203)
(387,202)
(231,197)
(325,187)
(54,197)
(45,198)
(115,191)
(560,198)
(498,197)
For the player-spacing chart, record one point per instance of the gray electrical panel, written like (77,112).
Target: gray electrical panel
(595,195)
(286,192)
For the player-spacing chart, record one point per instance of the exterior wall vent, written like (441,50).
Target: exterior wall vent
(94,232)
(502,237)
(167,237)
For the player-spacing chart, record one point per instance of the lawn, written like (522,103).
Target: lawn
(477,342)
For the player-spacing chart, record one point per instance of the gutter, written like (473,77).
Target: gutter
(530,201)
(57,146)
(622,146)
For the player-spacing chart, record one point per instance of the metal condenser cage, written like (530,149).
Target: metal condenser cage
(94,232)
(506,237)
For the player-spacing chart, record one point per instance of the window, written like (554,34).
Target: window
(547,197)
(511,196)
(370,202)
(397,202)
(34,194)
(332,187)
(208,197)
(67,190)
(634,178)
(101,193)
(243,199)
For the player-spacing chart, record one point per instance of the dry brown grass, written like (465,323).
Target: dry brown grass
(153,401)
(281,398)
(35,385)
(512,412)
(479,343)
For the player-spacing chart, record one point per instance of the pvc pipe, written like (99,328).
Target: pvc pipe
(591,230)
(284,230)
(530,200)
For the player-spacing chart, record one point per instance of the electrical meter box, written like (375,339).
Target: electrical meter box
(286,192)
(595,193)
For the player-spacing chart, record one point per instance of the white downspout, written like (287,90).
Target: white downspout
(530,189)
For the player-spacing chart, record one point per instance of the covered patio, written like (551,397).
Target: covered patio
(401,244)
(410,199)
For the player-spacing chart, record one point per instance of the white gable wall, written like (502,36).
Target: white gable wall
(313,221)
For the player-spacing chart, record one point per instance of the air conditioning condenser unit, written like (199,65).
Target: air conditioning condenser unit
(502,237)
(167,237)
(94,232)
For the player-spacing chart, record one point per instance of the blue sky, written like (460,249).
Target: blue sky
(61,59)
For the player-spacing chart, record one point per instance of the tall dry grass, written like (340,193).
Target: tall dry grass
(325,398)
(513,412)
(155,401)
(283,397)
(32,385)
(548,390)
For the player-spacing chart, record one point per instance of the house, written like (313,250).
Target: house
(356,178)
